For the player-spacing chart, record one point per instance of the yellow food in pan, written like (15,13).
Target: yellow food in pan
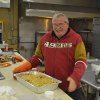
(37,80)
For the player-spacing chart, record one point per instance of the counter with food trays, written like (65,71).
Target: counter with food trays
(24,85)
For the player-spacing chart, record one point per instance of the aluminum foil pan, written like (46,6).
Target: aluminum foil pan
(37,89)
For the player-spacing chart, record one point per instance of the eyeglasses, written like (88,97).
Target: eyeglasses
(59,25)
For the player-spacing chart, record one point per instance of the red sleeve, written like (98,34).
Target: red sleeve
(79,70)
(35,61)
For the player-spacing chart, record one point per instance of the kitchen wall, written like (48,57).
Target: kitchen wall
(9,16)
(27,28)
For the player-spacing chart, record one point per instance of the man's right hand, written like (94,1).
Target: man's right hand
(72,85)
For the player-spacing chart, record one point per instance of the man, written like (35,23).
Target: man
(64,56)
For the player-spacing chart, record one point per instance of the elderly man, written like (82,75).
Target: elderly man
(64,56)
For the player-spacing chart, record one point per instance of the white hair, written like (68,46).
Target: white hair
(59,15)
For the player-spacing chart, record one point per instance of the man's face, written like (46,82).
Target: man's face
(60,26)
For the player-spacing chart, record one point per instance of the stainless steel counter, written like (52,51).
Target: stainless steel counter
(89,78)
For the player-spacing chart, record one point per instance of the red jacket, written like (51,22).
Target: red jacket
(62,57)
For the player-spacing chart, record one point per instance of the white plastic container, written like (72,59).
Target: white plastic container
(49,95)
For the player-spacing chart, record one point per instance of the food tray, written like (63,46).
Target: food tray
(37,89)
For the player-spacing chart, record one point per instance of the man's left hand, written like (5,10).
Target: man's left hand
(72,84)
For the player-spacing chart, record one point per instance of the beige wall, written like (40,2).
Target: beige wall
(9,16)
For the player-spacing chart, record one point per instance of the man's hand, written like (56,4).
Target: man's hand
(72,84)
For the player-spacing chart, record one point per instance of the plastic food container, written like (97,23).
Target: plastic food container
(49,95)
(37,89)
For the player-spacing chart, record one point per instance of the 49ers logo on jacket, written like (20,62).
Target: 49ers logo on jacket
(58,45)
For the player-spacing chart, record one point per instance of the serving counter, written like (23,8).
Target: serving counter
(20,89)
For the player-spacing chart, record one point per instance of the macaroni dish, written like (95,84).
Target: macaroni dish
(37,80)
